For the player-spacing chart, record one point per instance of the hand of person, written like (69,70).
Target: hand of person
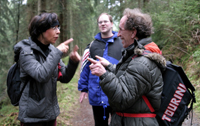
(96,67)
(103,61)
(64,46)
(83,95)
(74,56)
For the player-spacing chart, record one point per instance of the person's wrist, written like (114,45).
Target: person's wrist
(103,75)
(72,61)
(107,66)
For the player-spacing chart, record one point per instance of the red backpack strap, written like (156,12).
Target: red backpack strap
(148,103)
(137,115)
(140,115)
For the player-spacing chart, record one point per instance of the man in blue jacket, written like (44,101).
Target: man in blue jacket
(109,46)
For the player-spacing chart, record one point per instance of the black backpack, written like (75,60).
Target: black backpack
(14,83)
(177,95)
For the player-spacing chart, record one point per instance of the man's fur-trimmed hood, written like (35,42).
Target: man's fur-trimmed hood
(157,58)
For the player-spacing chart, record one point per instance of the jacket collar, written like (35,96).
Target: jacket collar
(137,49)
(130,49)
(145,41)
(34,46)
(98,37)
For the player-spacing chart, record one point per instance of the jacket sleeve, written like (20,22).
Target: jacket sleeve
(68,70)
(84,78)
(39,71)
(123,91)
(111,67)
(85,71)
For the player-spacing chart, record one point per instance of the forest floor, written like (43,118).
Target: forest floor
(83,116)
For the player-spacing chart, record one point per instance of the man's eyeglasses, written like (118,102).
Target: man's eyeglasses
(55,28)
(100,22)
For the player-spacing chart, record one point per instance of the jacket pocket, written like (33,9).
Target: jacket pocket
(36,90)
(36,109)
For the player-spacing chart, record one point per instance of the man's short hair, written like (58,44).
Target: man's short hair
(109,16)
(140,21)
(42,22)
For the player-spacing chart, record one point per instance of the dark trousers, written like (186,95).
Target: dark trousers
(49,123)
(98,113)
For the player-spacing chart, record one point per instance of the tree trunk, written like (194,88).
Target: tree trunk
(31,9)
(18,18)
(121,8)
(63,19)
(139,4)
(71,28)
(41,6)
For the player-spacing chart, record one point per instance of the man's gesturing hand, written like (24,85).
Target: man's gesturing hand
(96,67)
(103,61)
(64,46)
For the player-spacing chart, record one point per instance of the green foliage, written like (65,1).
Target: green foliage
(197,104)
(11,31)
(174,26)
(196,58)
(6,23)
(196,55)
(8,114)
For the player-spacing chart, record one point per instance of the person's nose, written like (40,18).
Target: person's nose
(57,31)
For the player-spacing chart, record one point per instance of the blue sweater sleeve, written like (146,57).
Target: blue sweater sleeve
(84,72)
(84,77)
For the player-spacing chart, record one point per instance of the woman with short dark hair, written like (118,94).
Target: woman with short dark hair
(41,67)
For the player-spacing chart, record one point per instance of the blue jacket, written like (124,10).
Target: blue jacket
(110,50)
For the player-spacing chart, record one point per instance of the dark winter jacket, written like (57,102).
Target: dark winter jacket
(39,73)
(133,78)
(110,50)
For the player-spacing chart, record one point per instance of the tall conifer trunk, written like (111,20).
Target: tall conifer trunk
(41,6)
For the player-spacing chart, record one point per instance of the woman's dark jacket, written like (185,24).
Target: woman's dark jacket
(129,81)
(39,73)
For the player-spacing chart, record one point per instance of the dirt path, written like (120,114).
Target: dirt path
(195,120)
(83,115)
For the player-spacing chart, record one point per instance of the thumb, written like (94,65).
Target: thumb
(68,41)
